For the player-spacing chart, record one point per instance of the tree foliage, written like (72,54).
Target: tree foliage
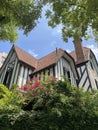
(79,18)
(18,14)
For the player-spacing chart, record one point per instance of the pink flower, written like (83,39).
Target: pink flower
(52,79)
(33,87)
(37,84)
(25,88)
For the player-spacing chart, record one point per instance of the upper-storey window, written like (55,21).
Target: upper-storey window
(66,73)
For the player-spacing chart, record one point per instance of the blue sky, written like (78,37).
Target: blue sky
(43,40)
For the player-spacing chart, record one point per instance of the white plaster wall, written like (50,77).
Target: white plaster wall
(93,77)
(93,70)
(86,85)
(56,73)
(59,70)
(20,77)
(25,75)
(83,68)
(94,64)
(78,69)
(83,79)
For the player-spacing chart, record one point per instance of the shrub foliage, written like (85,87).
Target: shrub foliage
(48,105)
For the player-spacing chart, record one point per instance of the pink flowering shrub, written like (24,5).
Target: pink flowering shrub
(37,87)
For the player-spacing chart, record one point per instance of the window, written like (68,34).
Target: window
(48,72)
(66,73)
(96,82)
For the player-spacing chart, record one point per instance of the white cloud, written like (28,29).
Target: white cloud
(94,49)
(68,51)
(31,52)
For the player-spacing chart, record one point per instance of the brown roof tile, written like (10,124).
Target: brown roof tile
(86,54)
(25,57)
(49,59)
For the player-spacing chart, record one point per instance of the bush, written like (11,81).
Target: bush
(10,101)
(51,105)
(3,91)
(5,122)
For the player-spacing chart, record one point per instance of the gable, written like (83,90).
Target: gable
(49,60)
(25,57)
(71,62)
(53,58)
(10,59)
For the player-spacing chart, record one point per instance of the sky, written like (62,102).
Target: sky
(42,40)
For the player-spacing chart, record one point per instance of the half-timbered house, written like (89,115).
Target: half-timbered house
(79,66)
(19,66)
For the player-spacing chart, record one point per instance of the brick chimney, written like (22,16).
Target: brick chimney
(79,51)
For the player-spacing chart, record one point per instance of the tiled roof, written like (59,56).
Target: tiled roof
(86,54)
(49,59)
(42,63)
(25,57)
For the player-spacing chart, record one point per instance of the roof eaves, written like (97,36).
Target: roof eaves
(35,71)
